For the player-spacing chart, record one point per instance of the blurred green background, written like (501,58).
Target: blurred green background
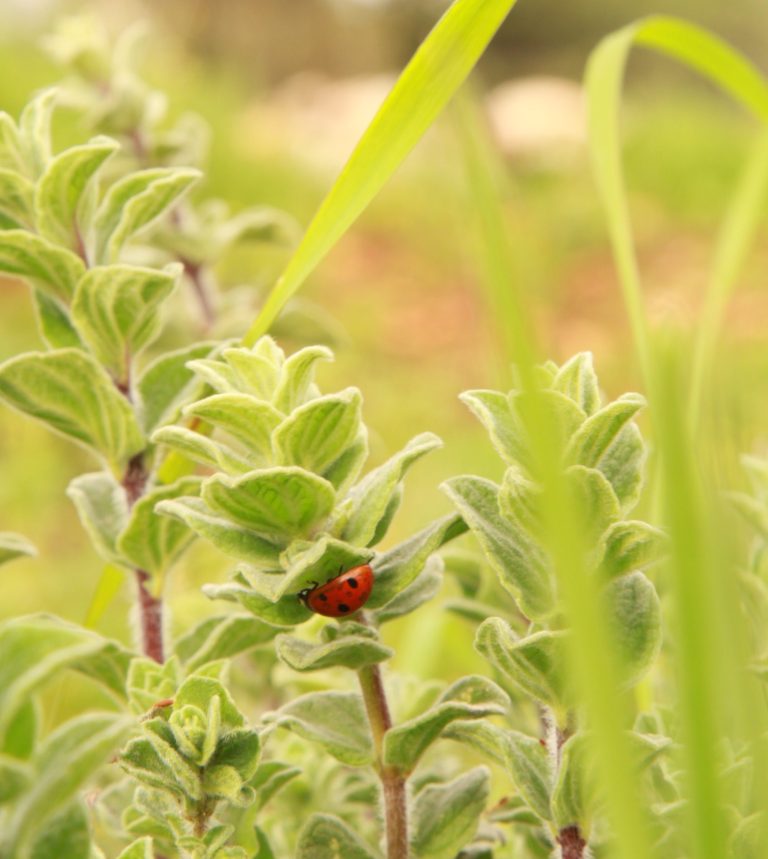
(286,87)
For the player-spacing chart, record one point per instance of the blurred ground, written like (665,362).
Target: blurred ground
(403,286)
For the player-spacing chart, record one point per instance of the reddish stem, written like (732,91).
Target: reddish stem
(572,845)
(151,610)
(150,607)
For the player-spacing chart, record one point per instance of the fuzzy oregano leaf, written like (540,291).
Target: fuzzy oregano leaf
(351,651)
(445,816)
(63,762)
(578,381)
(336,721)
(116,309)
(52,269)
(635,614)
(67,390)
(167,384)
(102,506)
(234,540)
(398,568)
(14,546)
(61,188)
(17,196)
(631,545)
(316,434)
(280,503)
(67,833)
(327,837)
(471,697)
(222,637)
(140,849)
(372,496)
(133,203)
(477,500)
(530,767)
(535,663)
(37,647)
(151,542)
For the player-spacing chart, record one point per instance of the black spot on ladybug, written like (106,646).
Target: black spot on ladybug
(323,597)
(352,583)
(343,607)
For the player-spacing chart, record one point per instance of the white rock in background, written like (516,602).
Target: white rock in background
(538,116)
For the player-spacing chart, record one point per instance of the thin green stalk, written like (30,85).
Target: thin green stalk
(438,68)
(736,236)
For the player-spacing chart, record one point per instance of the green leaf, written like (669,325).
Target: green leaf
(423,588)
(133,203)
(200,448)
(297,376)
(15,777)
(573,797)
(53,321)
(61,187)
(256,370)
(140,849)
(10,151)
(327,837)
(67,834)
(149,682)
(352,652)
(636,620)
(438,68)
(530,767)
(17,196)
(37,647)
(578,381)
(14,546)
(269,778)
(249,421)
(199,691)
(152,542)
(285,612)
(102,506)
(592,500)
(372,496)
(234,540)
(524,575)
(220,638)
(336,721)
(49,268)
(631,545)
(494,411)
(20,737)
(316,434)
(471,697)
(65,760)
(445,816)
(239,749)
(70,392)
(605,441)
(35,130)
(116,309)
(167,385)
(397,569)
(279,503)
(535,663)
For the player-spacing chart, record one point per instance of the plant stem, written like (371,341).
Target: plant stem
(151,612)
(572,845)
(150,607)
(392,779)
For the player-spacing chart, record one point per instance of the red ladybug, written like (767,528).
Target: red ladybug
(341,595)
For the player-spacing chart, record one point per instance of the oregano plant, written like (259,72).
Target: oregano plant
(276,726)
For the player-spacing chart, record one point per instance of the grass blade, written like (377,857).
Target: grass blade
(437,69)
(703,654)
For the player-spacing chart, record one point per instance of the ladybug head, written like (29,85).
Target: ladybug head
(304,593)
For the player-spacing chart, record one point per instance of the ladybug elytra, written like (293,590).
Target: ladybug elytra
(341,595)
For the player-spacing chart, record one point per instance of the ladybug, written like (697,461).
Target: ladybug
(341,595)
